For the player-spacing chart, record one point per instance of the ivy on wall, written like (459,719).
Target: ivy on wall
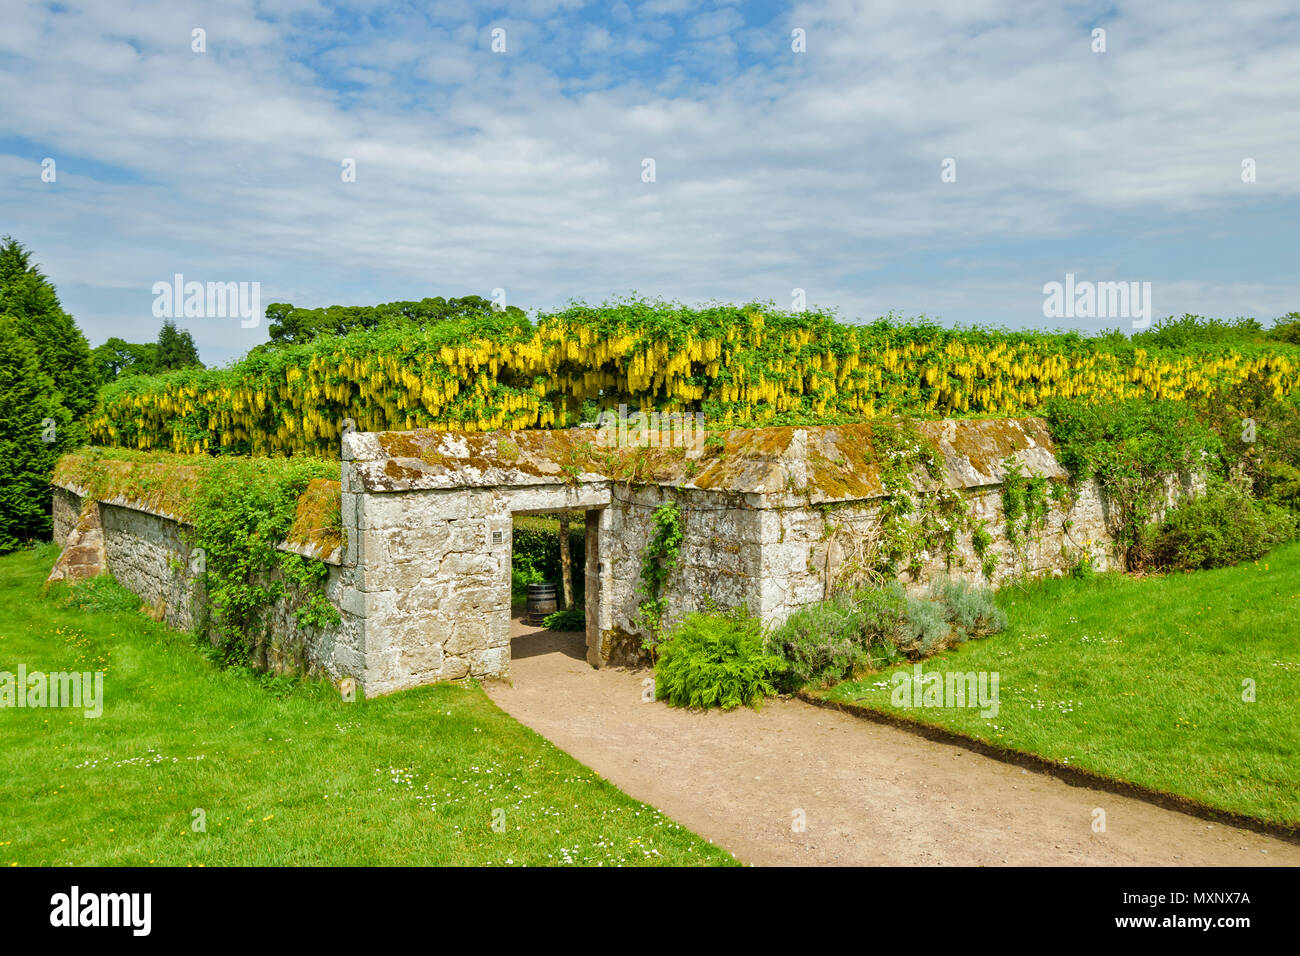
(658,561)
(243,508)
(1134,449)
(236,512)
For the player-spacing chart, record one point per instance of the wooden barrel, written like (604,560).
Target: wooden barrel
(542,601)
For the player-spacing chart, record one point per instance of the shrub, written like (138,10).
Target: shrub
(970,610)
(1286,328)
(242,508)
(520,579)
(828,641)
(1222,527)
(1261,439)
(1083,569)
(882,611)
(484,370)
(924,630)
(715,660)
(822,643)
(570,619)
(535,549)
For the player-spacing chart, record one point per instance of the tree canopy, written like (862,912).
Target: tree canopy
(290,325)
(174,349)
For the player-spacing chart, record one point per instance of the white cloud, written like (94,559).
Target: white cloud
(818,169)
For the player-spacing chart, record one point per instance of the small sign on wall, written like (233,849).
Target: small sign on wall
(498,535)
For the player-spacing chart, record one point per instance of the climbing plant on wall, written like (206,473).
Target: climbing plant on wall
(658,561)
(1134,449)
(237,510)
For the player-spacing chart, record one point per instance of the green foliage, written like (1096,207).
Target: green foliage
(831,641)
(1024,508)
(739,365)
(1286,329)
(716,660)
(970,610)
(925,630)
(47,383)
(100,595)
(912,523)
(28,403)
(535,553)
(1083,569)
(658,561)
(821,643)
(521,578)
(1197,330)
(290,325)
(1225,526)
(28,298)
(980,540)
(117,358)
(1133,448)
(174,349)
(243,508)
(1260,436)
(570,619)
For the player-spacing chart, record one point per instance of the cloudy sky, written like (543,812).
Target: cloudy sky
(775,169)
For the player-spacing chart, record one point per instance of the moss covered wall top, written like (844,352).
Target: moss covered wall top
(167,484)
(819,463)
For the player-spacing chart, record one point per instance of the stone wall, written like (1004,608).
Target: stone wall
(772,522)
(720,564)
(432,575)
(148,554)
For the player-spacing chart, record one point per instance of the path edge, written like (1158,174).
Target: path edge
(1074,776)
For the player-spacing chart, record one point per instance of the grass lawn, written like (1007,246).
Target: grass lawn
(283,775)
(1142,681)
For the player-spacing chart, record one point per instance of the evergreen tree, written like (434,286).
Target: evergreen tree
(175,349)
(34,429)
(47,384)
(29,300)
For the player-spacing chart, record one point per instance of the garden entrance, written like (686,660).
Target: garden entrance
(555,582)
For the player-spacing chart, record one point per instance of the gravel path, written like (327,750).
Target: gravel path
(869,793)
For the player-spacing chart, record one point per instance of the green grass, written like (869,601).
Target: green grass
(285,772)
(1142,681)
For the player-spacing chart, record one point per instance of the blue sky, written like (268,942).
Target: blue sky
(522,169)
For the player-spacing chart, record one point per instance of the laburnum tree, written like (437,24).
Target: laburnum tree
(48,383)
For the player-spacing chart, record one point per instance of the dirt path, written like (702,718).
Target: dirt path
(870,793)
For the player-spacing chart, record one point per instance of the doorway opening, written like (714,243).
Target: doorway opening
(554,584)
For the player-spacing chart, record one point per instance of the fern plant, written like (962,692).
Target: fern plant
(716,660)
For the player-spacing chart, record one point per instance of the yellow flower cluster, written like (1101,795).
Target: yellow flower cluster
(742,371)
